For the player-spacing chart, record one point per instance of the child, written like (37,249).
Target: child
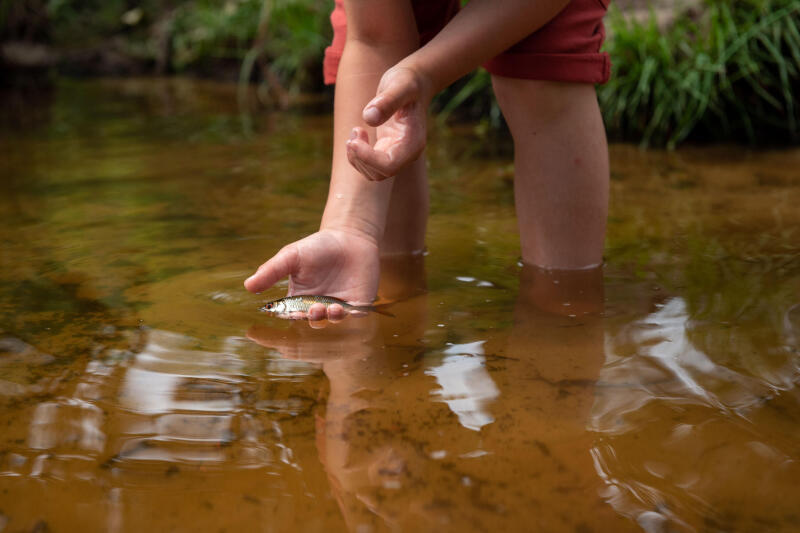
(544,59)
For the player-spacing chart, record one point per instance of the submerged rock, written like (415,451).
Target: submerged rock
(14,350)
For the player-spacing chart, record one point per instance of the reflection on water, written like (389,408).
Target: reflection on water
(729,451)
(466,386)
(140,388)
(420,432)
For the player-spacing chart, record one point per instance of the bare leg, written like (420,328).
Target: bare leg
(408,212)
(561,163)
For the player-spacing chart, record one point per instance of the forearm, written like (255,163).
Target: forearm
(481,30)
(354,203)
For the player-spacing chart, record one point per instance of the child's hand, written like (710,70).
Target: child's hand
(330,262)
(399,111)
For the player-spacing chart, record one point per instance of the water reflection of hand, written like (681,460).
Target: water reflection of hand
(360,438)
(331,262)
(362,358)
(324,342)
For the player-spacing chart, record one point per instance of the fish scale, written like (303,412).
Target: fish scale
(283,307)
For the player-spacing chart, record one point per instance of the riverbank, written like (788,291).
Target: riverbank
(687,70)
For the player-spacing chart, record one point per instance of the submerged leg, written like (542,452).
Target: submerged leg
(561,165)
(408,212)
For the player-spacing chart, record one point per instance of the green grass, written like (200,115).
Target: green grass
(289,34)
(280,39)
(729,74)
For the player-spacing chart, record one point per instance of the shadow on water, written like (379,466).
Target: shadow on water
(140,389)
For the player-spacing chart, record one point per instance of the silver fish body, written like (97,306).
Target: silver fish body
(300,304)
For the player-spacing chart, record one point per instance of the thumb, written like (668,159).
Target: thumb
(285,262)
(396,89)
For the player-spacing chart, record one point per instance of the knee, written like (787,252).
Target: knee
(541,101)
(382,24)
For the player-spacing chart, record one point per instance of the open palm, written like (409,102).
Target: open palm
(329,262)
(399,111)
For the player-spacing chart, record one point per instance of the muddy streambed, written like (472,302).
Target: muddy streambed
(141,390)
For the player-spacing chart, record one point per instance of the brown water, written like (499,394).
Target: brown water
(140,390)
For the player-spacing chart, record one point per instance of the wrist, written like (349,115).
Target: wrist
(426,81)
(354,204)
(363,228)
(428,78)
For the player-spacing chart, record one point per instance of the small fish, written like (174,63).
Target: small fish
(285,307)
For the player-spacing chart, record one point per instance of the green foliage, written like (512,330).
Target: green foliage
(83,22)
(288,35)
(210,29)
(729,74)
(728,71)
(471,97)
(301,31)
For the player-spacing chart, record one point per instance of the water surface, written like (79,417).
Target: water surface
(141,390)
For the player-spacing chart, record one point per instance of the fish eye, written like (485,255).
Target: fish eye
(269,306)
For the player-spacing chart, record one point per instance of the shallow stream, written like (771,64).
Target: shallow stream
(140,389)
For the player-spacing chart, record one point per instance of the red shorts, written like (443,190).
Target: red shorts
(567,48)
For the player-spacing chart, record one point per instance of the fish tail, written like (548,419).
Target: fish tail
(374,308)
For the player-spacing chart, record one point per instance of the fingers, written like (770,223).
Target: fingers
(397,88)
(316,312)
(285,262)
(319,317)
(374,165)
(379,164)
(336,313)
(401,140)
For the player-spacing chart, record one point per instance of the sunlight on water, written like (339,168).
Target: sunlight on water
(140,388)
(710,403)
(466,386)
